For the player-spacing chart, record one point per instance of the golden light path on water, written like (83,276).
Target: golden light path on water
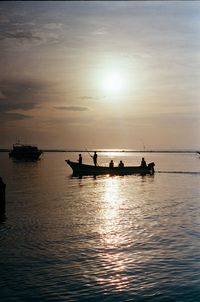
(122,227)
(111,230)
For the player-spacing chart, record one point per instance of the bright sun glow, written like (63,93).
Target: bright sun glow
(113,82)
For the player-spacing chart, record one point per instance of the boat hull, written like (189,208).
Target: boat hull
(22,155)
(83,170)
(22,151)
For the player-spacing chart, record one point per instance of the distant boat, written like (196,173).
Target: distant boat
(82,169)
(22,151)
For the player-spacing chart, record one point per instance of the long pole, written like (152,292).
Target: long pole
(89,153)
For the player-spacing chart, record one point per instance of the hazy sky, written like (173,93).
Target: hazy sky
(100,74)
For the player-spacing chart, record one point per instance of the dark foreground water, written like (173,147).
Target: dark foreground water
(128,238)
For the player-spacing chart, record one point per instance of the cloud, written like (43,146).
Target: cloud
(72,108)
(78,120)
(2,96)
(54,26)
(85,97)
(19,95)
(18,29)
(7,107)
(99,32)
(19,35)
(12,116)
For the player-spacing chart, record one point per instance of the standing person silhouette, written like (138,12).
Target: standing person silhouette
(95,158)
(143,163)
(80,159)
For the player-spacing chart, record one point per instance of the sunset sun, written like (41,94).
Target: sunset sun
(113,82)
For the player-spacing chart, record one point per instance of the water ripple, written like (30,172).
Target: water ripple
(105,239)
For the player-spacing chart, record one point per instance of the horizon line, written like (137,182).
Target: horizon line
(113,150)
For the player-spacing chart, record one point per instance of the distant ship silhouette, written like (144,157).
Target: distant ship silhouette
(23,151)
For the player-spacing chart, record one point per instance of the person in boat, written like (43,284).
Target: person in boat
(121,164)
(143,163)
(111,164)
(95,158)
(80,159)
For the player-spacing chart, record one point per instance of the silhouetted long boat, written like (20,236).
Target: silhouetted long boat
(21,151)
(82,169)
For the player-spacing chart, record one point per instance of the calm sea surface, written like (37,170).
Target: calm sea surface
(130,238)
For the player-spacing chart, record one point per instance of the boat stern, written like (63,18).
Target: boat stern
(151,167)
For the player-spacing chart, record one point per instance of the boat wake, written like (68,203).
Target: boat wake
(180,172)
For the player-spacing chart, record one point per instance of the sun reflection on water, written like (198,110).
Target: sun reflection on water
(111,202)
(111,236)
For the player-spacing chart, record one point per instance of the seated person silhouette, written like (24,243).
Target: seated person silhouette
(121,164)
(111,164)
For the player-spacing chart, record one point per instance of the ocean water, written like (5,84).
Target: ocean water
(120,238)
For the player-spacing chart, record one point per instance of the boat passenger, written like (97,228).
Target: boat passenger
(111,164)
(80,159)
(95,158)
(121,164)
(143,163)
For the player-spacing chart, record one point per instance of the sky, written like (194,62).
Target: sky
(100,74)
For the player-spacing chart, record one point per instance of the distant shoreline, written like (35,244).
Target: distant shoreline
(112,150)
